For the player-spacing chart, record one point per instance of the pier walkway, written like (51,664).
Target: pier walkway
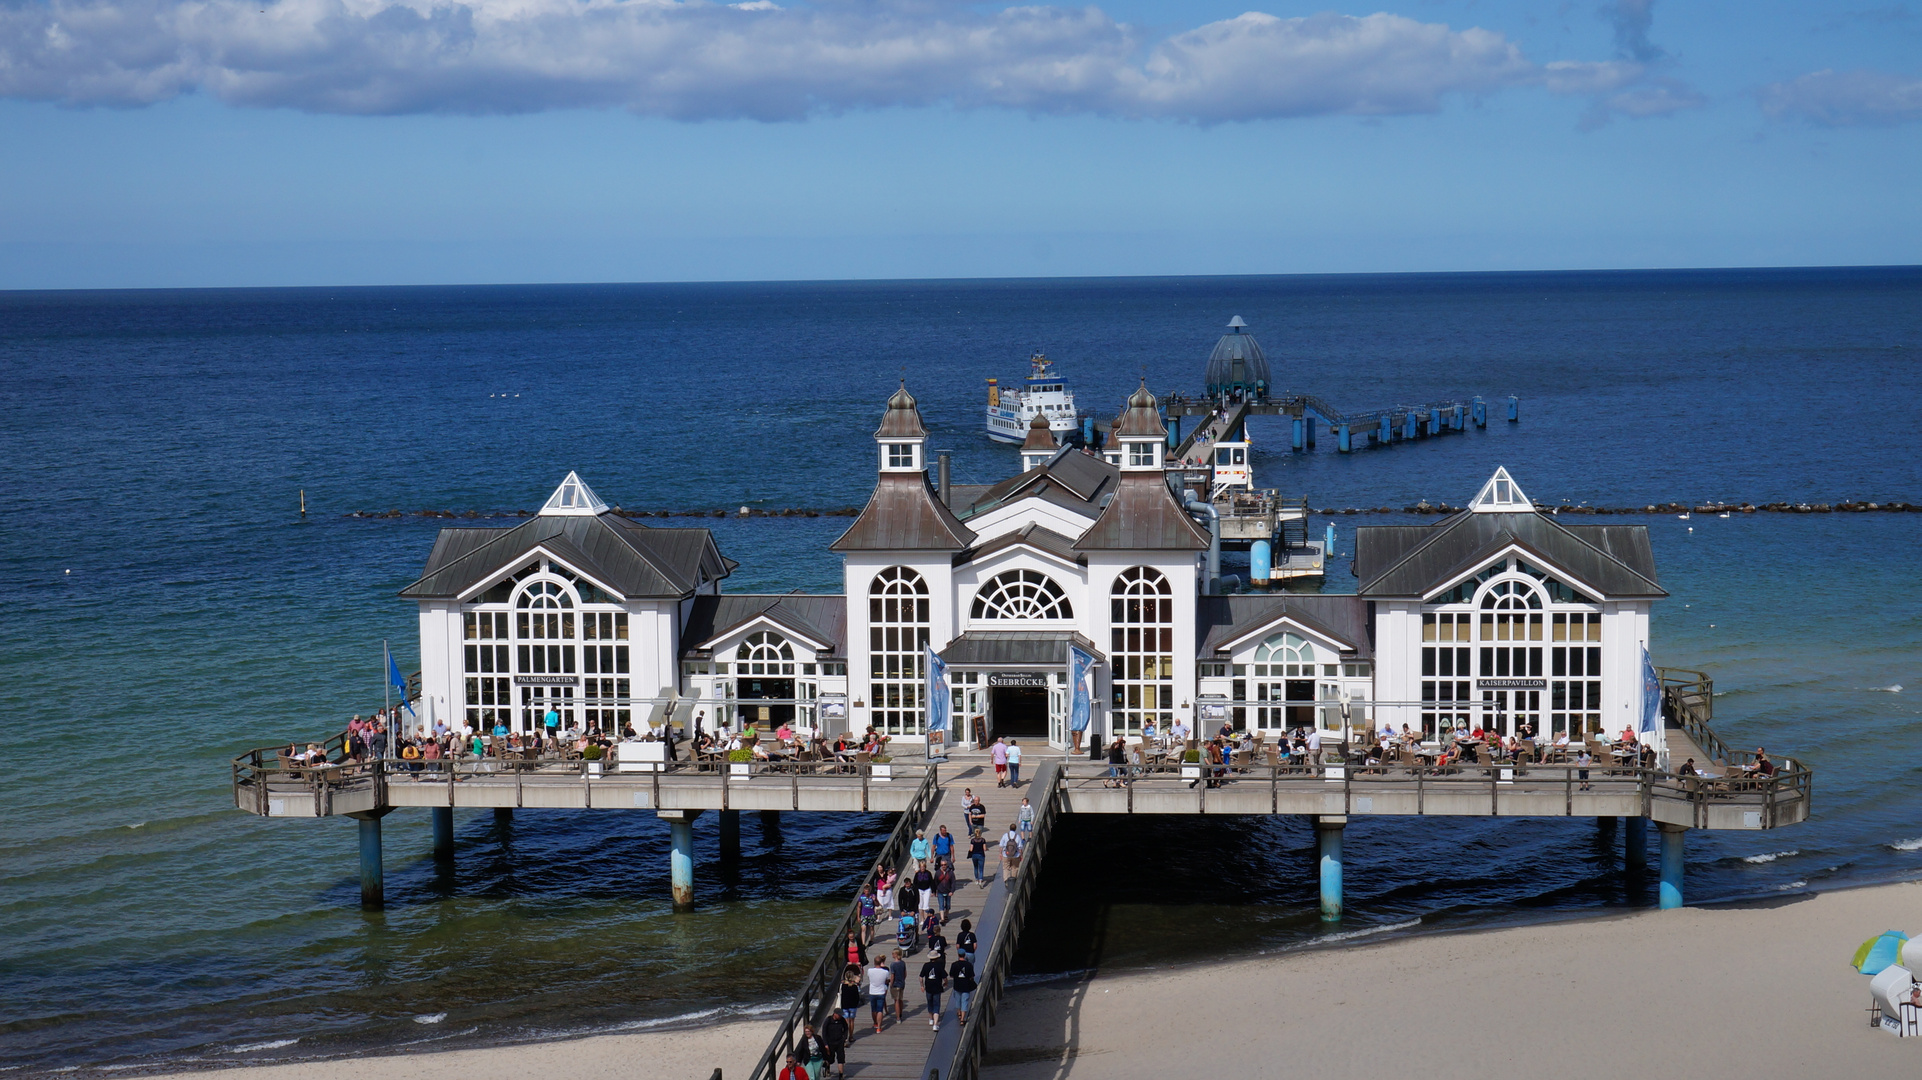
(908,1048)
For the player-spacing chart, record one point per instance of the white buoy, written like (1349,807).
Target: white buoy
(743,511)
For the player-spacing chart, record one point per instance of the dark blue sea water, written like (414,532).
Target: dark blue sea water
(167,608)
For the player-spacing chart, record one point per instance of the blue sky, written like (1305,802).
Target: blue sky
(281,142)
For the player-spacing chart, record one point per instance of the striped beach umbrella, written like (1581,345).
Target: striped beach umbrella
(1879,952)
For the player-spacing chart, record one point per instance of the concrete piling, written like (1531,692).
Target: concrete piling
(1514,409)
(373,891)
(1672,837)
(1328,830)
(730,834)
(1342,440)
(1636,855)
(1300,434)
(681,856)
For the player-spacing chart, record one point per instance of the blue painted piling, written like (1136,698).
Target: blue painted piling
(1174,432)
(681,860)
(1480,409)
(373,892)
(1260,569)
(1514,409)
(1328,543)
(1301,435)
(444,833)
(1328,832)
(1087,430)
(1387,434)
(1310,422)
(1342,440)
(1672,836)
(1408,426)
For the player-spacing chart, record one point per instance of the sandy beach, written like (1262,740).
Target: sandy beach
(1762,990)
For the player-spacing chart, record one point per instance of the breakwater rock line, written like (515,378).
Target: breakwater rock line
(1423,507)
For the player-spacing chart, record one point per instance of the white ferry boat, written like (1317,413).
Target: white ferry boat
(1011,410)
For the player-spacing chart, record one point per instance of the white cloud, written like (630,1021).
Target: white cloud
(692,59)
(1845,99)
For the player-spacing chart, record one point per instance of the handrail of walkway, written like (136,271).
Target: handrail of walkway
(1690,698)
(823,985)
(1792,781)
(992,978)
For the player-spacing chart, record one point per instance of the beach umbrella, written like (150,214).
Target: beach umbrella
(1879,951)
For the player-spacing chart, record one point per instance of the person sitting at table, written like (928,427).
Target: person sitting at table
(784,733)
(1688,769)
(759,751)
(1648,757)
(1148,731)
(1763,766)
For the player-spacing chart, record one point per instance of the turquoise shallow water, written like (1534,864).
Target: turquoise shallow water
(156,443)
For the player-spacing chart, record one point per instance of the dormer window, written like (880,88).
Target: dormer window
(1142,454)
(901,456)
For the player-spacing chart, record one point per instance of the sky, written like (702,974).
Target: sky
(167,143)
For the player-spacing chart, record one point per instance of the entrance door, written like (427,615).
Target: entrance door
(773,714)
(536,700)
(1058,716)
(1019,712)
(1301,703)
(1505,710)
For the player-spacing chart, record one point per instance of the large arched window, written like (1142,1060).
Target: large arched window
(544,632)
(1284,673)
(1142,639)
(1021,594)
(1285,654)
(765,653)
(897,641)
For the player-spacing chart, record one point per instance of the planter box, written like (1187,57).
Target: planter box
(1333,773)
(740,768)
(881,772)
(593,768)
(1191,772)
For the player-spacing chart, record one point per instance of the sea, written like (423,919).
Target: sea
(168,606)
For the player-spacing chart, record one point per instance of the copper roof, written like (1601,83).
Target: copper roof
(1040,435)
(1029,535)
(1143,516)
(902,420)
(1141,417)
(904,514)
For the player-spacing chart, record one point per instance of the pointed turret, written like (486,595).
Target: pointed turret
(1040,444)
(901,435)
(1139,432)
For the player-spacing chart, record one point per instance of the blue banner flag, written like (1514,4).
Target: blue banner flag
(1651,694)
(400,684)
(940,707)
(1081,696)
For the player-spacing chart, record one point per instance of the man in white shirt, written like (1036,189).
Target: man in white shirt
(1180,730)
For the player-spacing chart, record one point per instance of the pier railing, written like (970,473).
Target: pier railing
(992,975)
(821,990)
(1517,789)
(1688,698)
(260,779)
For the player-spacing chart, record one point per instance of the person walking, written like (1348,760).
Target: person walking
(792,1070)
(943,845)
(918,849)
(898,983)
(1010,853)
(850,998)
(1014,762)
(944,885)
(884,892)
(924,888)
(834,1037)
(998,753)
(1024,817)
(965,941)
(961,977)
(977,812)
(978,855)
(855,951)
(812,1051)
(869,913)
(934,980)
(879,979)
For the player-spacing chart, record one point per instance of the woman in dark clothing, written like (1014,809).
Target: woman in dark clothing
(834,1035)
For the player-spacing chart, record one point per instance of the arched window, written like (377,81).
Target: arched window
(1142,636)
(1021,594)
(1280,659)
(765,653)
(1511,648)
(544,629)
(1508,610)
(897,641)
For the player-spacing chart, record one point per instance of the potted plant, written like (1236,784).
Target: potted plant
(882,769)
(1191,765)
(740,762)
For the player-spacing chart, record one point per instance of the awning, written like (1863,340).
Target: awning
(1016,648)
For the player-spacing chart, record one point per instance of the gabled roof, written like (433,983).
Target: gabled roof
(1070,479)
(1220,620)
(1030,535)
(904,514)
(1414,561)
(634,560)
(1144,516)
(818,617)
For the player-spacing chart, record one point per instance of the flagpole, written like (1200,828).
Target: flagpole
(386,696)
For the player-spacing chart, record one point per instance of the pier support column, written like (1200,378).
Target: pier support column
(1174,432)
(1310,422)
(1343,439)
(730,834)
(770,828)
(1514,409)
(1479,410)
(373,890)
(444,834)
(1672,836)
(1328,829)
(1408,423)
(1636,856)
(1301,433)
(503,815)
(681,858)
